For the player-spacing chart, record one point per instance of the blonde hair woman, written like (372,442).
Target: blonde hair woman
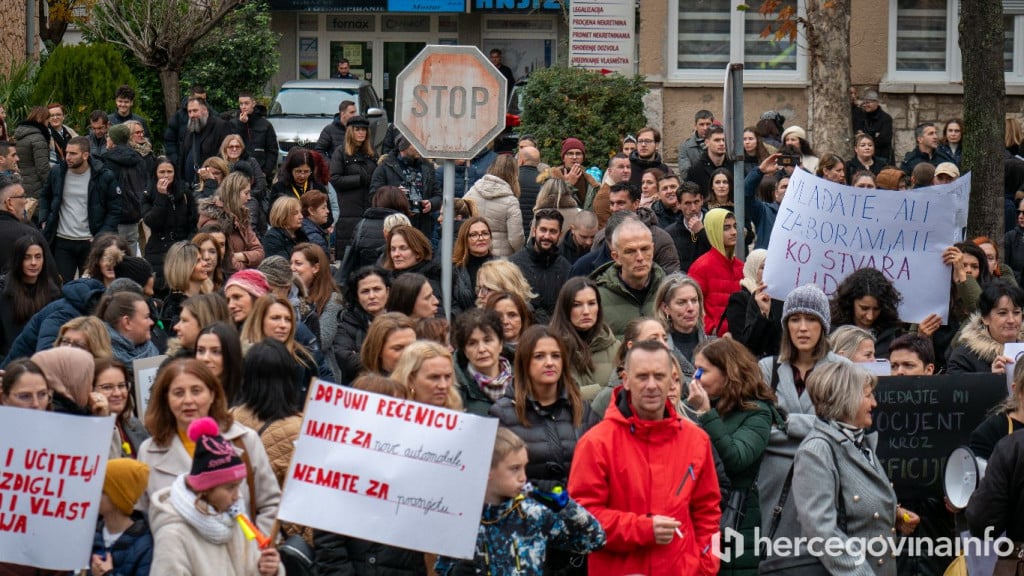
(501,276)
(426,369)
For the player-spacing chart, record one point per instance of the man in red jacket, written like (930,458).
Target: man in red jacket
(647,474)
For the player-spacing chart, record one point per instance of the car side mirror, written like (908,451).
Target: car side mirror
(375,112)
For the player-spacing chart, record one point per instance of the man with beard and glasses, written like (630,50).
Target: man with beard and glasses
(81,200)
(542,263)
(203,137)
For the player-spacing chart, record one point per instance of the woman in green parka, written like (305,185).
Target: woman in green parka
(735,409)
(578,316)
(483,365)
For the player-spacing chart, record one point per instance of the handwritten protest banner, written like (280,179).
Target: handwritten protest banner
(824,231)
(51,480)
(389,470)
(921,419)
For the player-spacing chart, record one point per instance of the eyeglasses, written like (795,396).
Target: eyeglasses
(231,147)
(140,133)
(478,235)
(28,397)
(645,141)
(483,290)
(72,343)
(110,388)
(1020,212)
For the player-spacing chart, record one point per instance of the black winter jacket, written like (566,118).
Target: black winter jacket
(367,242)
(133,172)
(545,271)
(640,165)
(551,438)
(11,228)
(331,138)
(999,500)
(209,139)
(529,190)
(1013,245)
(389,173)
(171,218)
(277,242)
(104,201)
(338,555)
(260,139)
(348,342)
(350,176)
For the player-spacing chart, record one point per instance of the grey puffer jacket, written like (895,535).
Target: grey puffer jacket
(500,207)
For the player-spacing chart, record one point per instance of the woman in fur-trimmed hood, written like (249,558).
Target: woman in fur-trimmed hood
(979,347)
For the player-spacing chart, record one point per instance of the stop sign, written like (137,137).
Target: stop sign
(450,102)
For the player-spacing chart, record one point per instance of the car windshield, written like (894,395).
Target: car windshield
(311,102)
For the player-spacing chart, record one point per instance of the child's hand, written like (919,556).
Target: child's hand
(101,564)
(551,494)
(270,560)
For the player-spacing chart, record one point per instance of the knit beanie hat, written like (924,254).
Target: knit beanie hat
(215,461)
(808,299)
(252,281)
(125,482)
(573,144)
(277,270)
(119,134)
(796,131)
(134,268)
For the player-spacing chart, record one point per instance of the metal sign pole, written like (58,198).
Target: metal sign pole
(447,235)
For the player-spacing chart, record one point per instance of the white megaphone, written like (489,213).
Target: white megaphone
(963,473)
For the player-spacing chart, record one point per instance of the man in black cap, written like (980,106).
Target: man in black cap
(875,122)
(405,168)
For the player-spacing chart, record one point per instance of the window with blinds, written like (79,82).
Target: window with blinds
(921,35)
(711,33)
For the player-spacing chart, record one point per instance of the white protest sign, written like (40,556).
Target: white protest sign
(389,470)
(145,371)
(1013,350)
(50,485)
(824,231)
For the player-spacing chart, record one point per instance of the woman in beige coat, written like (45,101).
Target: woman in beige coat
(184,391)
(497,199)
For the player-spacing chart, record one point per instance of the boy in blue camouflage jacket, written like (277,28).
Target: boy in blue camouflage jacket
(515,530)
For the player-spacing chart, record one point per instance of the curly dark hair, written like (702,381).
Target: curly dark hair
(861,283)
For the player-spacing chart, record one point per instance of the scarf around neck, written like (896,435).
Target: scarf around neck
(216,528)
(495,387)
(855,435)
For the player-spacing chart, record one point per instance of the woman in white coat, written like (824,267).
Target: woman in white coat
(185,390)
(497,199)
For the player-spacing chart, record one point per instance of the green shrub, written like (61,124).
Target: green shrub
(83,78)
(16,91)
(239,55)
(597,109)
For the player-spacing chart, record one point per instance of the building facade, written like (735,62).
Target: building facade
(906,49)
(380,37)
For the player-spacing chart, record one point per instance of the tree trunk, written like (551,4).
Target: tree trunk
(827,30)
(170,82)
(981,42)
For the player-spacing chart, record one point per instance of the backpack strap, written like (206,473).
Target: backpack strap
(775,373)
